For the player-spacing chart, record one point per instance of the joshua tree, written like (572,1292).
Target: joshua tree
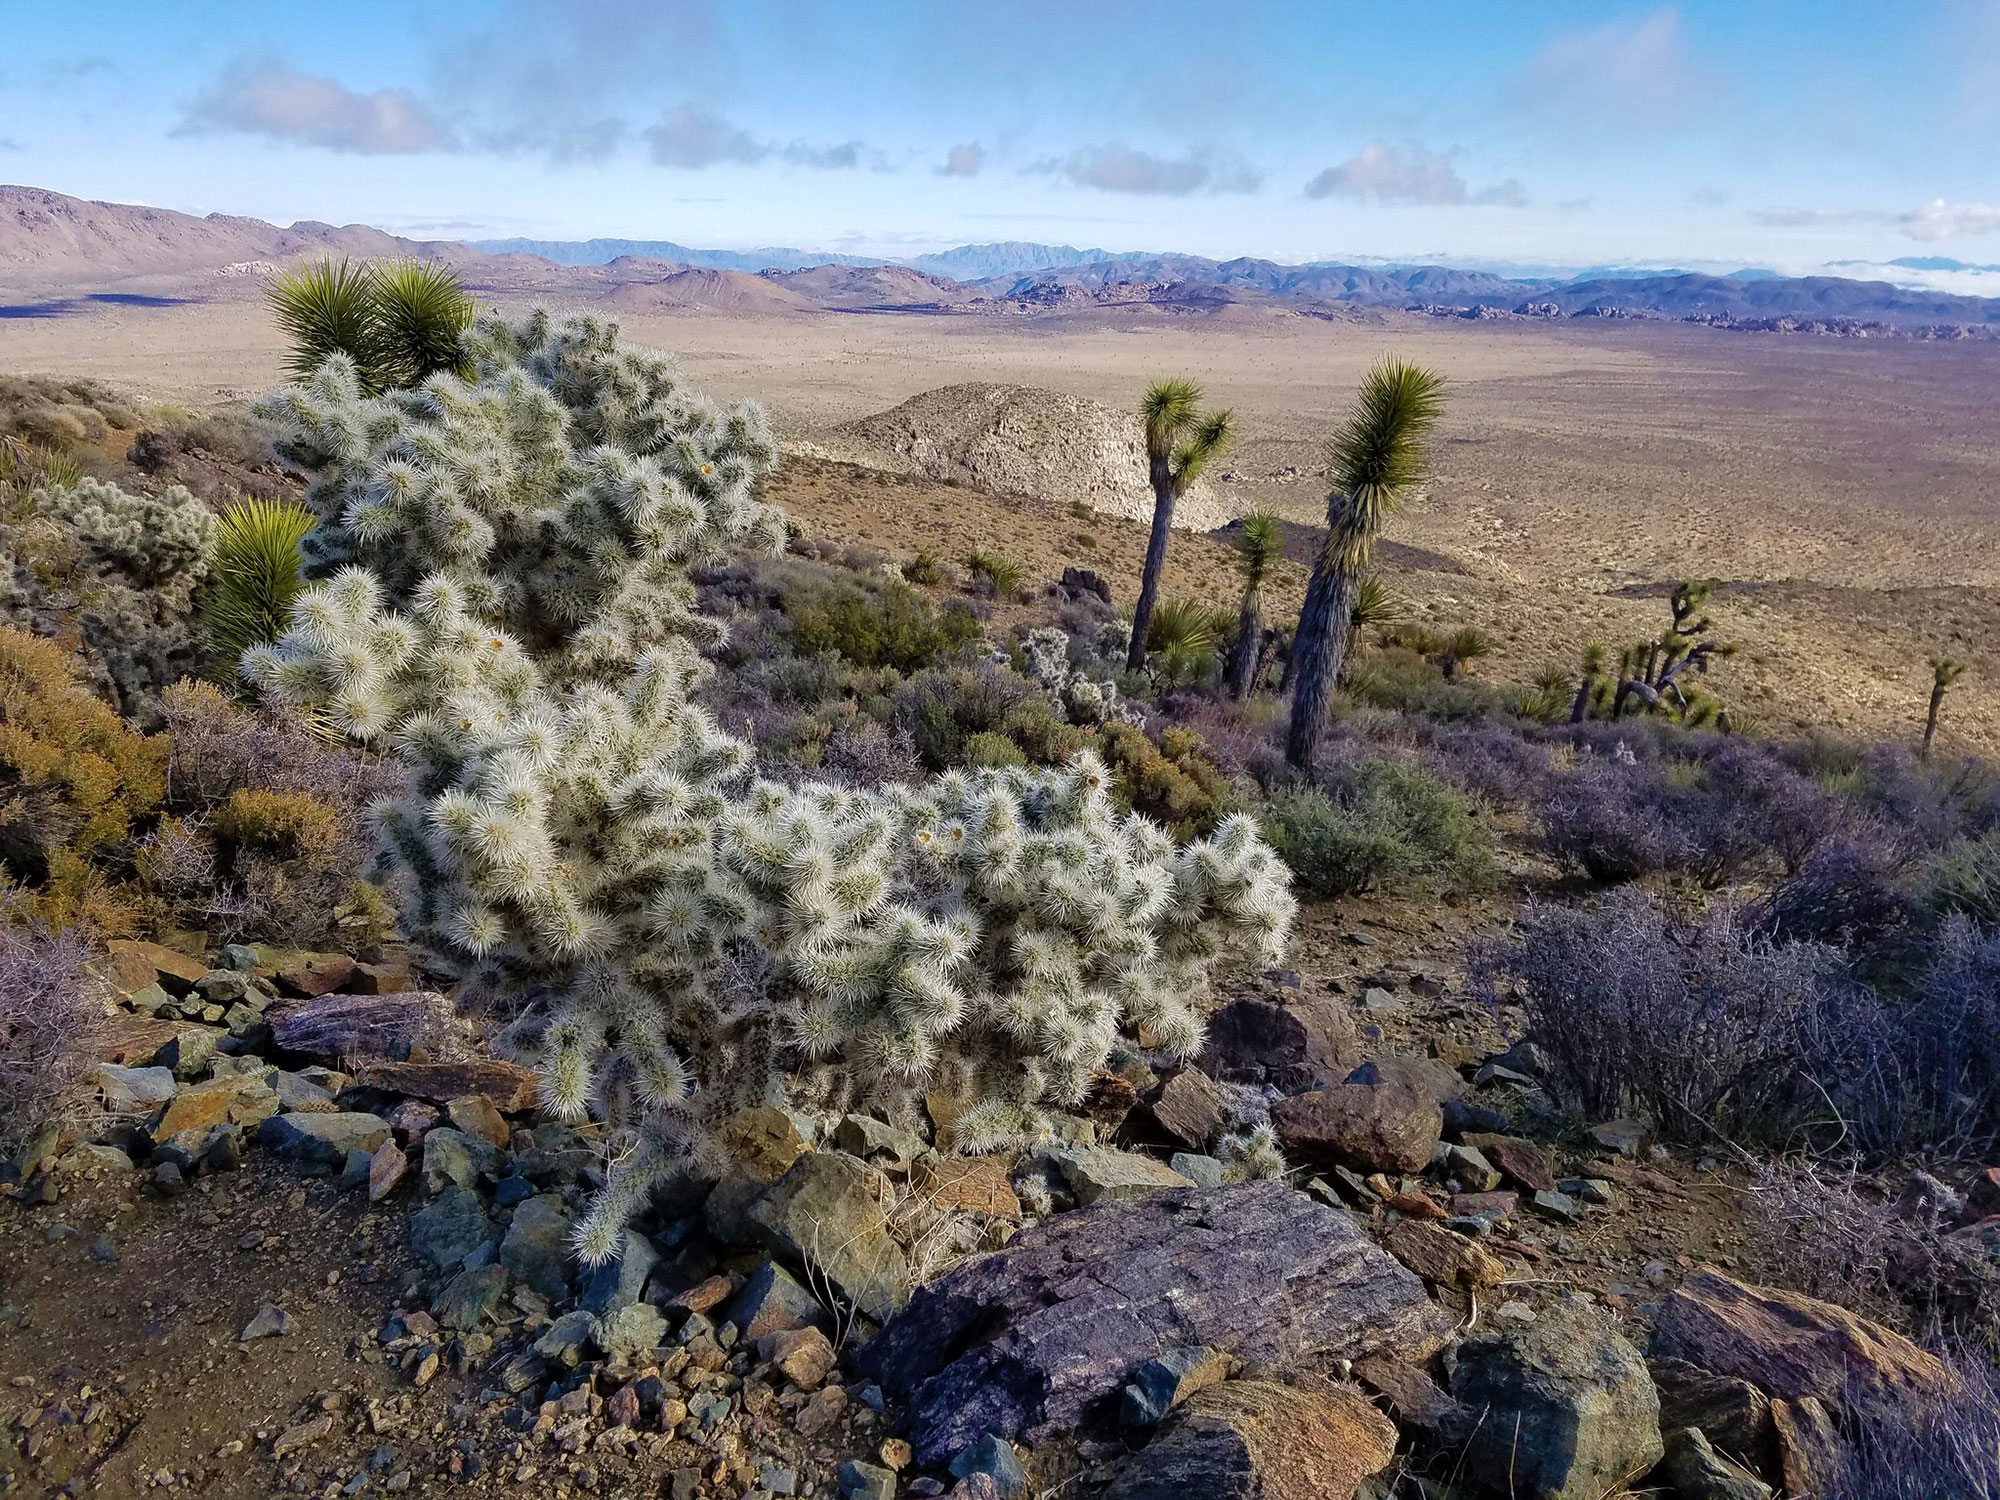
(253,581)
(1181,441)
(1944,672)
(1372,460)
(1259,545)
(400,323)
(1652,670)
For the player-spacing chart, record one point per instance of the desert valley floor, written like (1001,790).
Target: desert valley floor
(1845,492)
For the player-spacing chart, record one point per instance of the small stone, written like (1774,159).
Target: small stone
(302,1436)
(168,1180)
(564,1340)
(1558,1206)
(1102,1173)
(860,1481)
(883,1145)
(323,1138)
(1622,1136)
(474,1115)
(1202,1171)
(896,1454)
(1189,1110)
(1698,1472)
(470,1297)
(451,1228)
(633,1331)
(271,1322)
(822,1411)
(134,1092)
(536,1248)
(386,1169)
(774,1301)
(802,1355)
(103,1250)
(1162,1383)
(994,1457)
(453,1158)
(621,1282)
(1470,1166)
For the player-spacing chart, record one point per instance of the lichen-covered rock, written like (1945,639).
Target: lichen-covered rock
(1259,1440)
(1035,1338)
(826,1215)
(1564,1406)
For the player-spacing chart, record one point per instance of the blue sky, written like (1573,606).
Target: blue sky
(1551,131)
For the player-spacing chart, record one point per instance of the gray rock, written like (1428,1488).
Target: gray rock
(826,1213)
(632,1331)
(1622,1136)
(451,1157)
(773,1301)
(1028,1340)
(564,1341)
(470,1297)
(1564,1405)
(859,1481)
(536,1248)
(1159,1385)
(133,1092)
(451,1228)
(271,1322)
(1470,1166)
(881,1145)
(354,1172)
(1372,1127)
(1308,1044)
(994,1457)
(297,1093)
(621,1282)
(169,1180)
(1202,1171)
(322,1138)
(1104,1173)
(1557,1206)
(190,1051)
(238,956)
(1698,1472)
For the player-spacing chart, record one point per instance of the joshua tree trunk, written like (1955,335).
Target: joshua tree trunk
(1243,656)
(1579,708)
(1931,718)
(1156,562)
(1318,652)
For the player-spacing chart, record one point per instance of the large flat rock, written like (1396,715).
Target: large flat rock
(1043,1335)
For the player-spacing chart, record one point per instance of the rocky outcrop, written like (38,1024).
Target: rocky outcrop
(1258,1440)
(1043,1336)
(1790,1345)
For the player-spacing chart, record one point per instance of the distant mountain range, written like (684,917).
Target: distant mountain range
(49,240)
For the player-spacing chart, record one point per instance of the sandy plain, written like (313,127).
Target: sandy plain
(1846,493)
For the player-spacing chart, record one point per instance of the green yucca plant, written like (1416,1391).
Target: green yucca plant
(400,323)
(1182,636)
(1378,453)
(253,580)
(1002,574)
(1181,442)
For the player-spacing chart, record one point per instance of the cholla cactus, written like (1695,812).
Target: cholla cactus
(576,838)
(566,488)
(1045,654)
(166,541)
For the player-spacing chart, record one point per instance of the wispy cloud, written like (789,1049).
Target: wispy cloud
(966,160)
(1810,218)
(693,137)
(1117,168)
(274,100)
(1408,174)
(1936,220)
(1627,72)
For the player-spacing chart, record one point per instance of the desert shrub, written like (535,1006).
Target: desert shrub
(1172,781)
(1493,761)
(997,575)
(871,756)
(270,836)
(1923,1445)
(73,781)
(1078,672)
(1037,727)
(1963,877)
(49,1013)
(1618,822)
(1847,893)
(924,570)
(940,709)
(990,751)
(118,570)
(1943,1084)
(1406,682)
(574,840)
(253,580)
(890,627)
(1389,825)
(1697,1025)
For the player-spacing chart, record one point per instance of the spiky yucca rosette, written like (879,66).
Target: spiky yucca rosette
(508,607)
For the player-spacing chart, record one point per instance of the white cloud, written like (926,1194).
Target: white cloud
(966,160)
(1812,218)
(1407,174)
(1940,220)
(275,100)
(1632,71)
(1116,168)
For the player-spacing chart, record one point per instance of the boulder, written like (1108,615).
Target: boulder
(322,1138)
(134,1093)
(1033,1339)
(1442,1256)
(1258,1440)
(1308,1044)
(878,1144)
(1790,1345)
(1521,1164)
(1189,1110)
(1808,1444)
(621,1282)
(1100,1172)
(1386,1127)
(234,1099)
(298,1094)
(536,1248)
(341,1028)
(452,1156)
(804,1356)
(475,1115)
(825,1214)
(632,1332)
(131,1041)
(970,1184)
(189,1051)
(470,1297)
(1563,1406)
(1731,1413)
(130,966)
(1698,1472)
(772,1301)
(310,975)
(451,1228)
(507,1086)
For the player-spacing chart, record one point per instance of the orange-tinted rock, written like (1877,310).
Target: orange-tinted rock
(510,1088)
(975,1184)
(1256,1438)
(131,966)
